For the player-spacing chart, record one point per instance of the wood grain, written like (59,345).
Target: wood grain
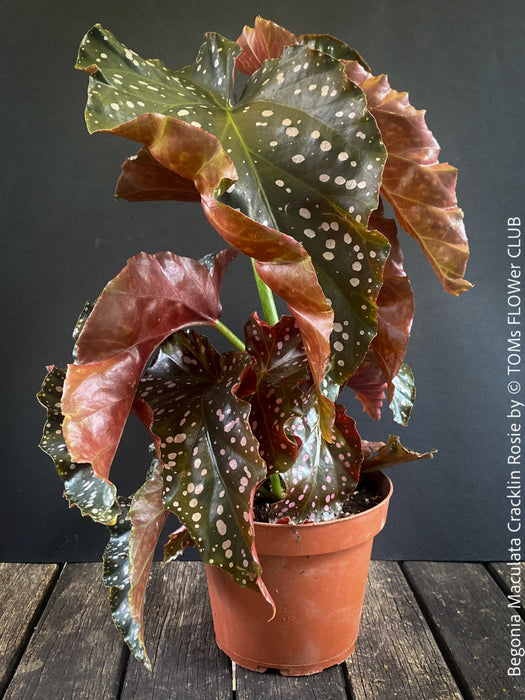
(75,652)
(470,616)
(187,664)
(23,591)
(396,654)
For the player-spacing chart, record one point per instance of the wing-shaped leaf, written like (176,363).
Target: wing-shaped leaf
(128,557)
(421,190)
(153,296)
(380,455)
(82,487)
(280,364)
(116,578)
(324,474)
(395,311)
(212,464)
(147,515)
(308,160)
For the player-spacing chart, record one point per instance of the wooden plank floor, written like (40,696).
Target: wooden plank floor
(430,631)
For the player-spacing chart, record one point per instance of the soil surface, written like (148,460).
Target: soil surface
(364,497)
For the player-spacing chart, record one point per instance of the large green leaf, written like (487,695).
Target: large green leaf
(308,160)
(212,464)
(82,487)
(324,473)
(280,365)
(153,296)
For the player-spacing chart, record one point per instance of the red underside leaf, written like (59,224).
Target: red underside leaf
(147,516)
(265,40)
(152,297)
(421,190)
(380,455)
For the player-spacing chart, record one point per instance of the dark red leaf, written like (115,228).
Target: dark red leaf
(153,296)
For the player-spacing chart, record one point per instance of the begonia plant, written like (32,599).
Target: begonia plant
(292,174)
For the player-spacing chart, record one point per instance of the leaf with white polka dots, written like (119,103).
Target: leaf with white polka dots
(212,466)
(420,189)
(308,159)
(116,578)
(82,487)
(280,365)
(152,296)
(380,455)
(324,473)
(375,377)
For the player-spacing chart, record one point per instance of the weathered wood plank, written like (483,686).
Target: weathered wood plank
(273,686)
(75,652)
(187,663)
(470,617)
(23,591)
(510,577)
(396,654)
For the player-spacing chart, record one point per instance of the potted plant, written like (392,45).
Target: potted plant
(291,173)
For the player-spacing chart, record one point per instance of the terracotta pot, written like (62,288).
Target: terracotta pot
(317,577)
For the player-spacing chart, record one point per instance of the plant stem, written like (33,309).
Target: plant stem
(277,488)
(266,297)
(227,333)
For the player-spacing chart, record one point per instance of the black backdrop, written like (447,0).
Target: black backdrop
(63,237)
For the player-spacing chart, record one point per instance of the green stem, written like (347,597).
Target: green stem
(227,333)
(277,487)
(266,297)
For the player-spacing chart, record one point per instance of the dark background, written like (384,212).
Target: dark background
(64,237)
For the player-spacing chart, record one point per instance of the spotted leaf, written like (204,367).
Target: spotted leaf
(211,461)
(82,487)
(280,365)
(324,473)
(380,455)
(267,40)
(116,578)
(308,159)
(153,296)
(176,544)
(421,190)
(375,378)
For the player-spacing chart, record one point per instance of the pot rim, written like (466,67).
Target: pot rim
(377,476)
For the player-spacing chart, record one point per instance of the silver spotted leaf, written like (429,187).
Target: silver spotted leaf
(212,465)
(116,578)
(324,473)
(82,487)
(280,365)
(128,557)
(308,158)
